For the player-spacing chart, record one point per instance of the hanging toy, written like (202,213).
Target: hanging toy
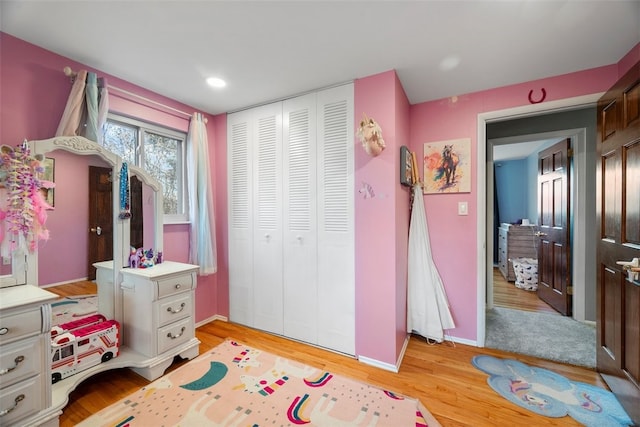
(125,207)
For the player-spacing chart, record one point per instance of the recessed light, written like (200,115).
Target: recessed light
(449,63)
(216,82)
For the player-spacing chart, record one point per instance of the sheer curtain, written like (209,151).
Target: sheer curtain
(86,110)
(427,306)
(202,248)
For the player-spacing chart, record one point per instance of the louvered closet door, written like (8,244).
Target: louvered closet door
(240,211)
(336,241)
(267,221)
(300,219)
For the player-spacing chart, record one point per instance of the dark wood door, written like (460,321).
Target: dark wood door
(618,218)
(136,225)
(100,218)
(554,269)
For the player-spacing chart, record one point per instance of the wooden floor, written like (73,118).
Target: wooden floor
(440,376)
(505,294)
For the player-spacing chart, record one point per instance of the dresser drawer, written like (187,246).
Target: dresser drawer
(20,360)
(21,400)
(20,325)
(174,308)
(174,285)
(175,334)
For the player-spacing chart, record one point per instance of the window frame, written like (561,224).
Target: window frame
(142,127)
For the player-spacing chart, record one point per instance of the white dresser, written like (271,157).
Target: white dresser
(158,310)
(25,372)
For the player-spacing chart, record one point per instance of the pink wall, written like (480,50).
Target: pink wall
(33,93)
(381,222)
(453,237)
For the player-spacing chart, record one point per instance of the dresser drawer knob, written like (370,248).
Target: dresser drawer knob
(173,337)
(18,360)
(171,310)
(178,286)
(19,398)
(4,331)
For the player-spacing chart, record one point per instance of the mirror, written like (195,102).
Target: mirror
(69,223)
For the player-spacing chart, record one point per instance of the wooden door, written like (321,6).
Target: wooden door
(136,223)
(100,218)
(618,218)
(554,268)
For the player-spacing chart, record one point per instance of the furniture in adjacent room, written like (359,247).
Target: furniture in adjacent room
(515,241)
(291,218)
(155,307)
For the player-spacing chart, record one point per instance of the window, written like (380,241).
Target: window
(159,151)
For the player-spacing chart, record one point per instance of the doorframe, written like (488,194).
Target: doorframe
(485,210)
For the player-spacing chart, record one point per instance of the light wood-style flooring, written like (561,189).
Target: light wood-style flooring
(505,294)
(441,376)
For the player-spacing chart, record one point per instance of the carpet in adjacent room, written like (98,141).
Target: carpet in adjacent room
(545,335)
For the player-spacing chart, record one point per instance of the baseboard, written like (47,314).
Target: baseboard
(211,319)
(464,341)
(384,365)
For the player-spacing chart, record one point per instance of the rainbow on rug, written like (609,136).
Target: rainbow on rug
(552,395)
(68,309)
(236,385)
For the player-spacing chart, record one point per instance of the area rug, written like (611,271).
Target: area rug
(237,385)
(547,393)
(71,308)
(545,335)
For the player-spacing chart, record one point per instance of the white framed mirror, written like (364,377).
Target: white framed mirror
(83,155)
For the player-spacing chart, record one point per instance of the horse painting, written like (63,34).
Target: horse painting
(449,164)
(443,167)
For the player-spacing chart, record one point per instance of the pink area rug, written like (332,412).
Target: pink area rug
(236,385)
(68,309)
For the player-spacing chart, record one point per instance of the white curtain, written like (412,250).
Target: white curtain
(202,248)
(428,311)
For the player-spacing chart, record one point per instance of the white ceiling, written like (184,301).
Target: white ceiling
(269,50)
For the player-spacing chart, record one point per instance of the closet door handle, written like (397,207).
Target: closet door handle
(97,230)
(17,361)
(540,234)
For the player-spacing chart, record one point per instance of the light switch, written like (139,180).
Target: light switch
(463,208)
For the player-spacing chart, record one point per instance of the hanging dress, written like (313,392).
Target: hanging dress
(428,311)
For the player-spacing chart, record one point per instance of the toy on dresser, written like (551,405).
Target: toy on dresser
(140,258)
(81,344)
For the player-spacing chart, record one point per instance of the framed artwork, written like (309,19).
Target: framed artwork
(406,167)
(48,180)
(447,166)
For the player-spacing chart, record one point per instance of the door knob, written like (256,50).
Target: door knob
(97,230)
(540,234)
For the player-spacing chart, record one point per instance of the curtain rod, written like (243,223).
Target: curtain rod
(72,74)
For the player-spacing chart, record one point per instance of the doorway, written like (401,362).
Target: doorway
(583,224)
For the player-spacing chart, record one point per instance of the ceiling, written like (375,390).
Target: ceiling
(269,50)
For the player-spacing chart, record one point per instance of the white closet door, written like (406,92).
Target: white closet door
(240,211)
(300,219)
(336,235)
(267,224)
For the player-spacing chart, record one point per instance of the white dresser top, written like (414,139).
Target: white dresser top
(15,296)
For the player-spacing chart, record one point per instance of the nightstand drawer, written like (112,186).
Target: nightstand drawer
(21,400)
(20,325)
(174,308)
(175,334)
(20,360)
(174,285)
